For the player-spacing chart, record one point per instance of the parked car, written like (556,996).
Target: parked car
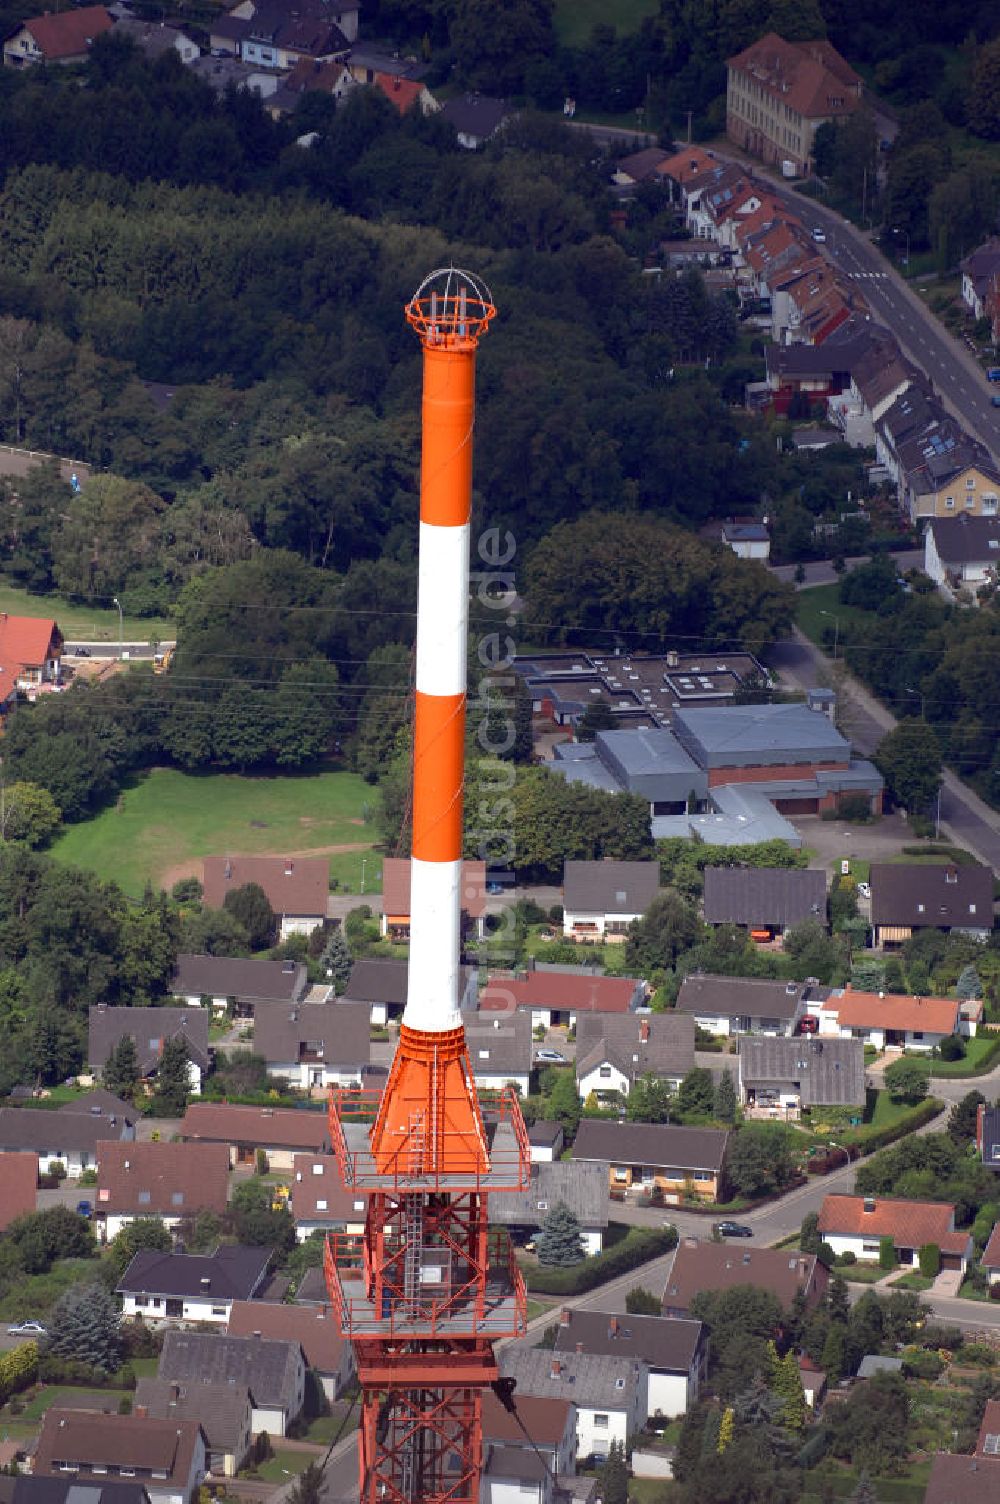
(26,1329)
(819,235)
(551,1057)
(82,653)
(85,1209)
(864,890)
(993,374)
(808,1024)
(733,1230)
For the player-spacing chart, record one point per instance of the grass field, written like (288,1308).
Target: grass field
(575,19)
(168,821)
(284,1465)
(980,1056)
(812,603)
(93,623)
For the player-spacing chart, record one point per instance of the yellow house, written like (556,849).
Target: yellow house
(643,1157)
(941,490)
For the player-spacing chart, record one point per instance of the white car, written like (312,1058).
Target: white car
(551,1057)
(26,1329)
(819,235)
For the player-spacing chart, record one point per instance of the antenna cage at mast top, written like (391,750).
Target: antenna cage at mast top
(451,307)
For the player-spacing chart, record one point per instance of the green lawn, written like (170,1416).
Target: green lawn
(980,1056)
(912,1281)
(907,1489)
(76,1398)
(168,821)
(284,1465)
(93,623)
(575,19)
(817,599)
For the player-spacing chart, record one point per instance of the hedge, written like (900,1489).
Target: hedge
(637,1247)
(871,1139)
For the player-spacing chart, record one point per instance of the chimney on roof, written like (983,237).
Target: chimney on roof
(289,867)
(579,1347)
(140,1412)
(613,1327)
(565,1316)
(555,1369)
(228,870)
(644,1031)
(869,1204)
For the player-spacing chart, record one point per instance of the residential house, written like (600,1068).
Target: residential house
(396,897)
(405,94)
(500,1048)
(513,1473)
(990,1260)
(814,1382)
(222,1410)
(70,1138)
(686,166)
(910,896)
(988,1135)
(167,1457)
(857,1224)
(938,468)
(699,1266)
(155,38)
(169,1181)
(745,1005)
(988,1441)
(383,984)
(820,373)
(879,377)
(783,1078)
(476,118)
(319,1201)
(748,540)
(978,269)
(281,1132)
(643,166)
(238,983)
(18,1186)
(779,93)
(60,38)
(583,1188)
(958,1479)
(601,899)
(102,1103)
(766,900)
(273,1371)
(886,1019)
(550,1425)
(224,73)
(31,646)
(268,35)
(674,1352)
(25,1489)
(150,1029)
(614,1051)
(313,1046)
(314,1328)
(545,1142)
(160,1286)
(962,552)
(609,1393)
(556,997)
(309,76)
(297,888)
(656,1157)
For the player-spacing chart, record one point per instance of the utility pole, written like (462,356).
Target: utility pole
(121,628)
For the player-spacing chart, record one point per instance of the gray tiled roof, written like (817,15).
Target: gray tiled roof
(583,1187)
(662,1342)
(268,1368)
(340,1033)
(764,895)
(499,1042)
(584,1378)
(610,887)
(659,1144)
(830,1072)
(668,1050)
(745,735)
(56,1132)
(150,1028)
(247,980)
(222,1409)
(951,896)
(966,540)
(739,997)
(230,1273)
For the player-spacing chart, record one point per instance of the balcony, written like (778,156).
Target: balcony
(352,1113)
(454,1298)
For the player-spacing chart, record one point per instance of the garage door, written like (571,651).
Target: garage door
(797,806)
(951,1261)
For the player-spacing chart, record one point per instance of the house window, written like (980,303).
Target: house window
(218,1310)
(144,1198)
(972,908)
(321,1206)
(600,1422)
(621,1173)
(604,1072)
(176,1198)
(949,502)
(918,1034)
(970,484)
(920,908)
(870,1248)
(970,501)
(317,1169)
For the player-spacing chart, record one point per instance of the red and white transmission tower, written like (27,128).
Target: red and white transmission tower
(430,1286)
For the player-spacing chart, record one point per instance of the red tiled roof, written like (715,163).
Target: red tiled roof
(69,33)
(544,1419)
(991,1253)
(808,77)
(690,162)
(294,885)
(990,1427)
(161,1180)
(396,887)
(28,641)
(258,1127)
(402,92)
(910,1224)
(18,1185)
(314,1328)
(867,1010)
(562,990)
(720,1266)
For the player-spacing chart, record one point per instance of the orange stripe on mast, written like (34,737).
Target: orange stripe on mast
(438,766)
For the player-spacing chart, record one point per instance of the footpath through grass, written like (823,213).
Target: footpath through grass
(166,822)
(92,623)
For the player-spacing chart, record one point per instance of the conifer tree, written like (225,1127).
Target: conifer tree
(336,959)
(725,1098)
(172,1080)
(559,1241)
(121,1069)
(84,1325)
(613,1476)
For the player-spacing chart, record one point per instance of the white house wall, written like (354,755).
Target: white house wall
(668,1394)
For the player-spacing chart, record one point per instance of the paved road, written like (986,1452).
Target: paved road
(104,648)
(822,572)
(964,817)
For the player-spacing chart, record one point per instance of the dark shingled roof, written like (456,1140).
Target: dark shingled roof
(26,1489)
(89,1440)
(267,1367)
(499,1042)
(828,1072)
(55,1133)
(222,1409)
(662,1342)
(583,1187)
(610,887)
(962,1480)
(721,1266)
(255,1127)
(660,1144)
(951,896)
(151,1028)
(162,1180)
(741,997)
(667,1050)
(246,980)
(230,1273)
(342,1034)
(764,895)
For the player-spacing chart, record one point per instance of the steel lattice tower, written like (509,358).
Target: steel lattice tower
(430,1285)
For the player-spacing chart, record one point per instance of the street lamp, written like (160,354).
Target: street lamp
(846,1152)
(836,630)
(121,627)
(907,234)
(364,864)
(923,699)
